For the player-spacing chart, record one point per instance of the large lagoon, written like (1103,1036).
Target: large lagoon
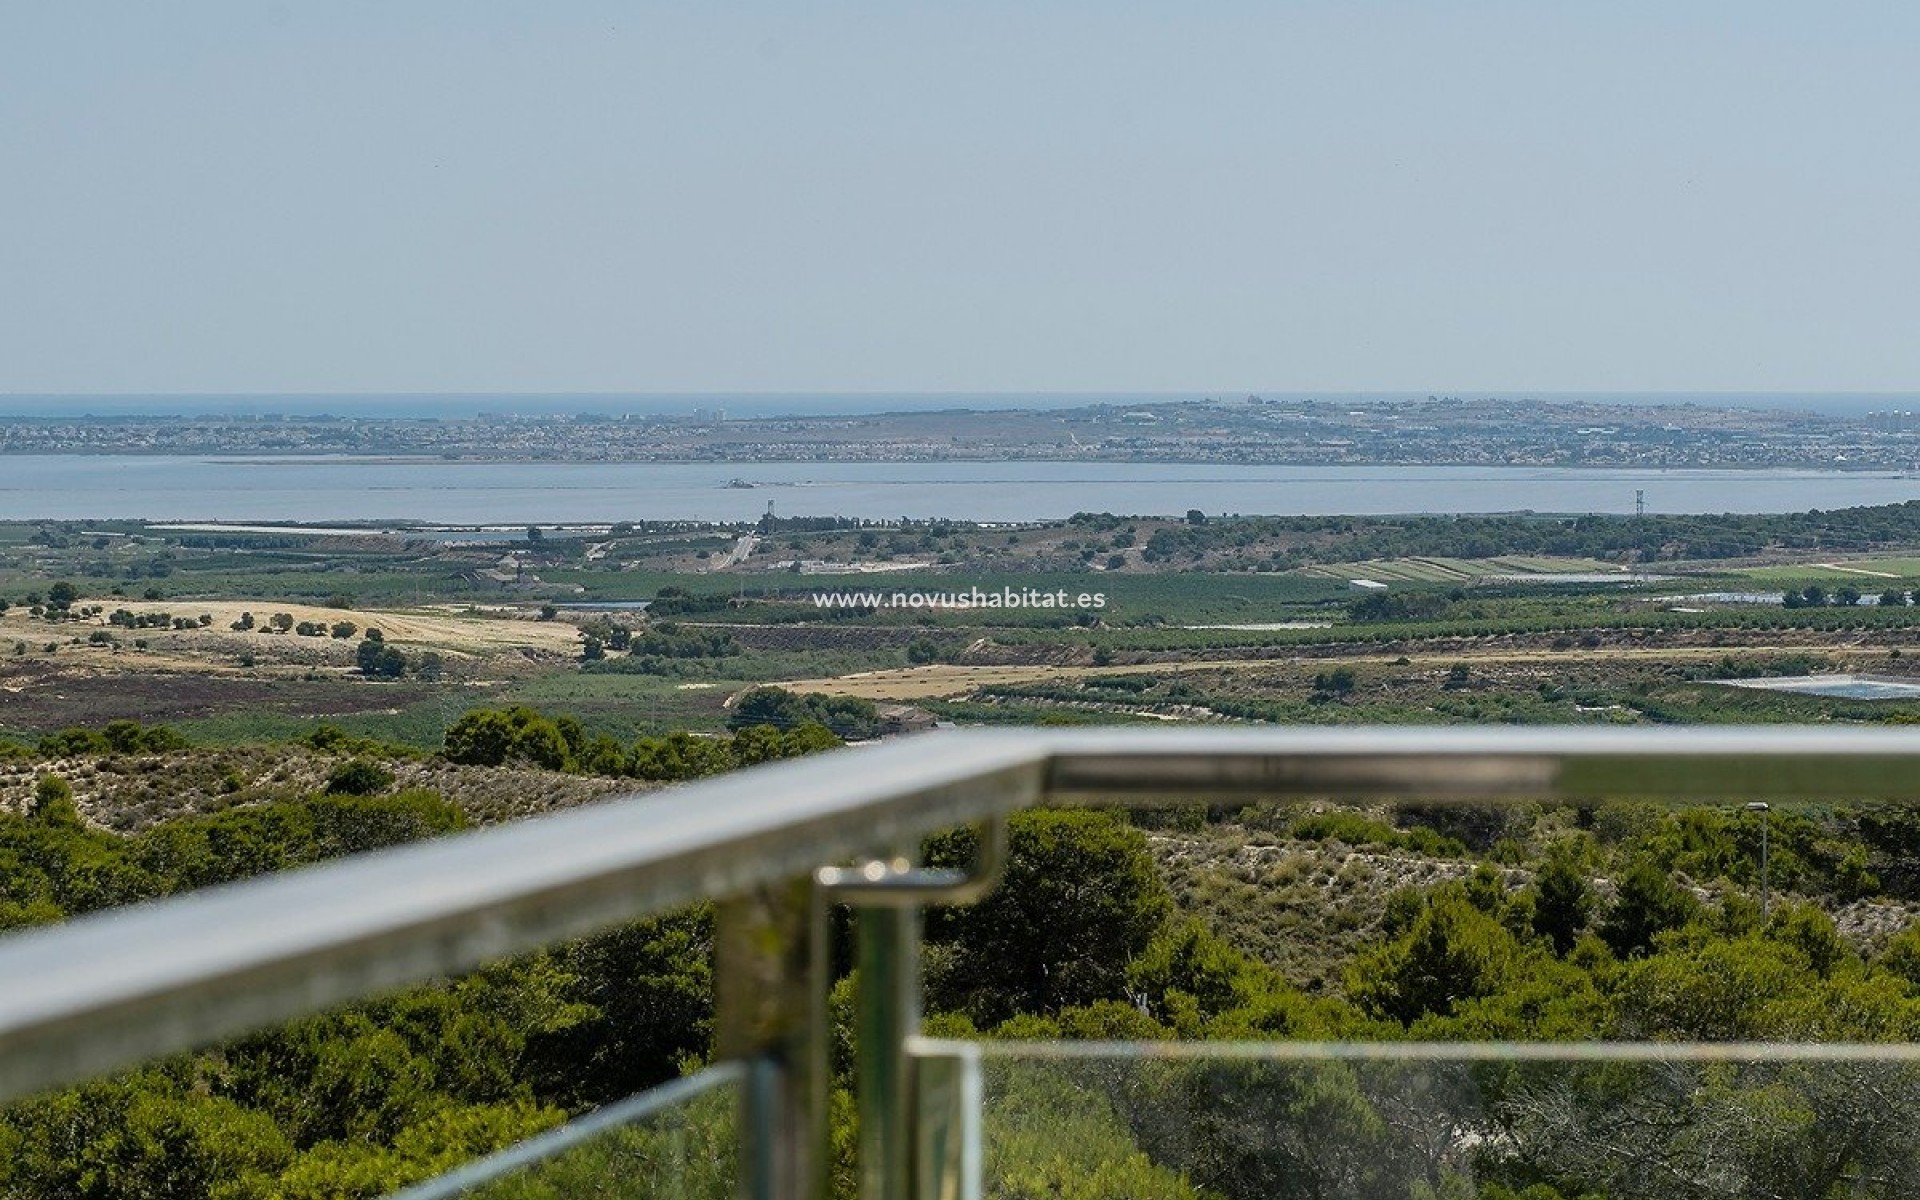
(159,487)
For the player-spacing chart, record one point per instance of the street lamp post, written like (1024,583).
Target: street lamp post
(1766,895)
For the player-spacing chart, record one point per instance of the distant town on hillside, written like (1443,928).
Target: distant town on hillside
(1248,430)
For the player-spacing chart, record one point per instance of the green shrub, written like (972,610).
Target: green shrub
(359,777)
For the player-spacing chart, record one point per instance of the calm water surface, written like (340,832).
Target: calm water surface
(334,489)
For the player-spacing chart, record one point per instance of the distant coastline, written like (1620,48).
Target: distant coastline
(443,405)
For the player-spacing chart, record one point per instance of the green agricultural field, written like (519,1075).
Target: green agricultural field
(422,724)
(1903,568)
(1399,570)
(626,706)
(1444,569)
(1868,575)
(1548,565)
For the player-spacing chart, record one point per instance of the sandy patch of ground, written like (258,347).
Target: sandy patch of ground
(461,632)
(947,681)
(942,681)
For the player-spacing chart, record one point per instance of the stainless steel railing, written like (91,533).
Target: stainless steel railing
(112,989)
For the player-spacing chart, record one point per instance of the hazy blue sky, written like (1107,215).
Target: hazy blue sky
(962,196)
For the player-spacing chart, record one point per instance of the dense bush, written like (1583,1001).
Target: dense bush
(849,718)
(359,777)
(673,601)
(490,737)
(1357,830)
(1081,900)
(498,737)
(377,660)
(116,737)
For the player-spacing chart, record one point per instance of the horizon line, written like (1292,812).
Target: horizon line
(1010,392)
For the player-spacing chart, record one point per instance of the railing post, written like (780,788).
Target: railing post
(770,1011)
(888,895)
(887,1013)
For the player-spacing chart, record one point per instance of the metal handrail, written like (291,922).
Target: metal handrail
(112,989)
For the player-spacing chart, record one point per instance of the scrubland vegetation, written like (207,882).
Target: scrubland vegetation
(1296,922)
